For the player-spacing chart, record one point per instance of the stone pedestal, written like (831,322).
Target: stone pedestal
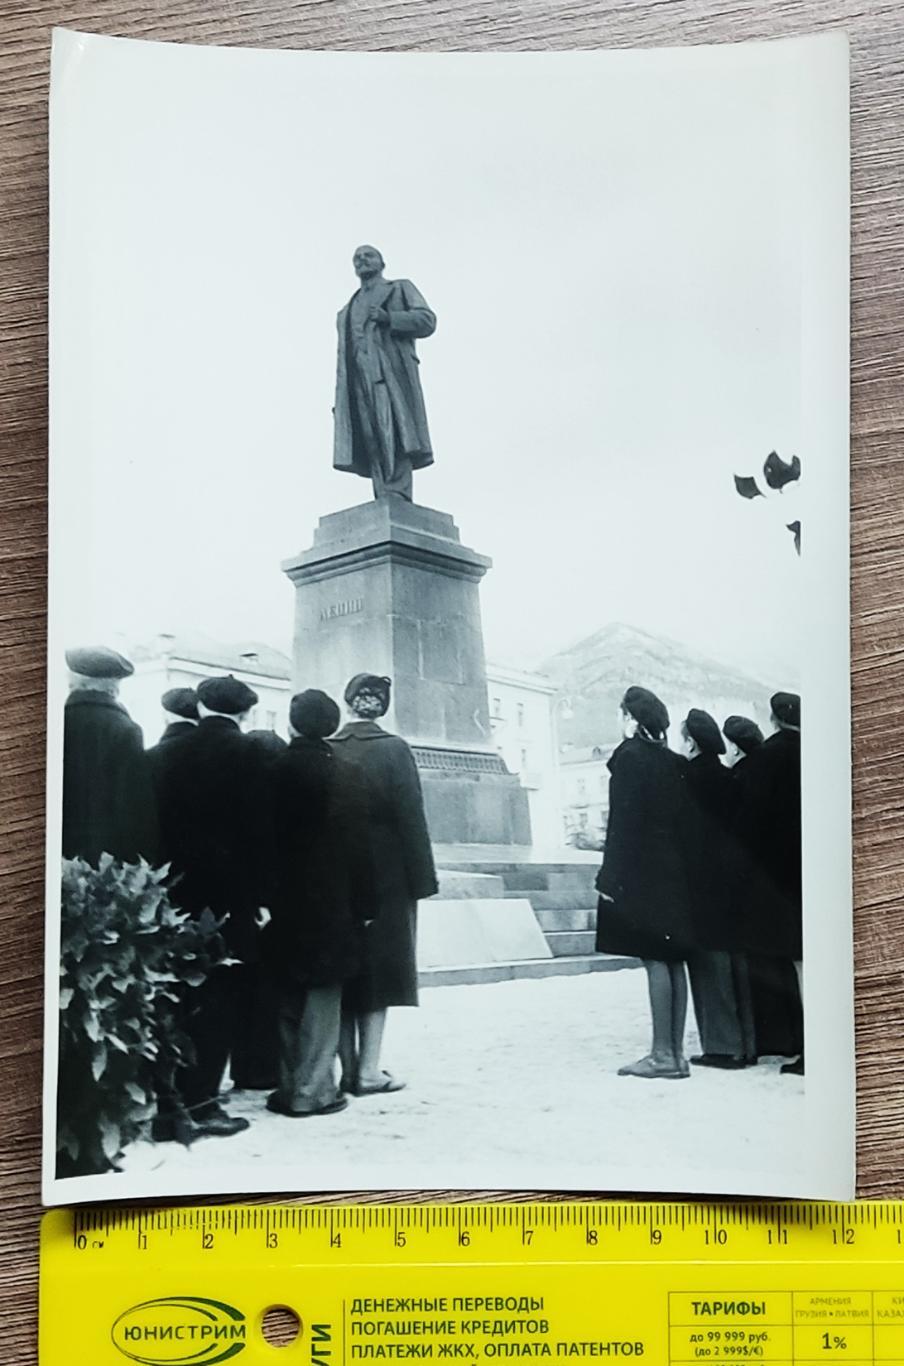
(388,588)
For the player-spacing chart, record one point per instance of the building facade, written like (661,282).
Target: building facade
(584,787)
(521,718)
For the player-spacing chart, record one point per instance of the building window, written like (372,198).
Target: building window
(583,820)
(271,720)
(524,758)
(520,711)
(582,789)
(252,719)
(497,706)
(604,784)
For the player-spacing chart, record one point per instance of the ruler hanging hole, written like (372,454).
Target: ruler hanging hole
(280,1326)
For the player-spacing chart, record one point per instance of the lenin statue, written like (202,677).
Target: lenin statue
(381,426)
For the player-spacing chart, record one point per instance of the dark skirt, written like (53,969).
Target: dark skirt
(389,973)
(631,935)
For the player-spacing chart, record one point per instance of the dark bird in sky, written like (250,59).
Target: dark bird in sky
(779,472)
(746,486)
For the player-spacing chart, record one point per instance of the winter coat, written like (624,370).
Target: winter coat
(217,820)
(709,854)
(401,863)
(395,360)
(108,795)
(323,866)
(643,868)
(768,826)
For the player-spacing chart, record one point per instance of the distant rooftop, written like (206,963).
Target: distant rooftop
(246,656)
(526,678)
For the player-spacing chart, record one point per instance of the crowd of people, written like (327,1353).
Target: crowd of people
(312,855)
(701,879)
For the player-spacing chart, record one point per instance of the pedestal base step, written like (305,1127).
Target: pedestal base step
(571,943)
(481,973)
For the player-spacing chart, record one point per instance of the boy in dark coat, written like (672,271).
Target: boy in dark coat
(769,822)
(318,915)
(719,984)
(216,818)
(402,874)
(108,796)
(775,999)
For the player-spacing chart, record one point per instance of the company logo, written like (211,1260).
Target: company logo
(180,1330)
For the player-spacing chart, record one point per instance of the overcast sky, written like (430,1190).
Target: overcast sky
(612,243)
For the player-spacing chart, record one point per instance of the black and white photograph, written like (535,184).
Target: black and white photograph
(448,707)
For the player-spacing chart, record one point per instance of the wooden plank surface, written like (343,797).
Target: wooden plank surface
(877,36)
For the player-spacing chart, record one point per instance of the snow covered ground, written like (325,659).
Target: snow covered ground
(517,1075)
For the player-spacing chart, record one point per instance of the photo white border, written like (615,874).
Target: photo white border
(828,1172)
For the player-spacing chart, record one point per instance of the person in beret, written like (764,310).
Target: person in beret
(215,798)
(109,804)
(768,816)
(719,985)
(742,737)
(402,873)
(180,709)
(771,982)
(172,1121)
(323,877)
(644,908)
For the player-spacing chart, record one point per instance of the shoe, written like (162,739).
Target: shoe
(222,1125)
(175,1128)
(256,1084)
(793,1069)
(389,1083)
(650,1070)
(726,1061)
(277,1106)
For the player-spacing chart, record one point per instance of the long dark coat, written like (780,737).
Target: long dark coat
(216,817)
(643,864)
(108,796)
(768,816)
(176,733)
(396,358)
(402,869)
(323,866)
(708,849)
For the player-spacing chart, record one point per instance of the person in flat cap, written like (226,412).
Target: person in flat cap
(786,710)
(402,873)
(226,696)
(644,909)
(323,878)
(180,711)
(180,706)
(216,803)
(768,815)
(719,986)
(742,737)
(770,984)
(108,795)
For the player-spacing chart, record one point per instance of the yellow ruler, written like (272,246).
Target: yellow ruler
(481,1283)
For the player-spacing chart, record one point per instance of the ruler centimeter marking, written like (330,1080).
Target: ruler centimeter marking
(549,1215)
(788,1283)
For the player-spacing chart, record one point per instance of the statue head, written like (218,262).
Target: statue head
(368,262)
